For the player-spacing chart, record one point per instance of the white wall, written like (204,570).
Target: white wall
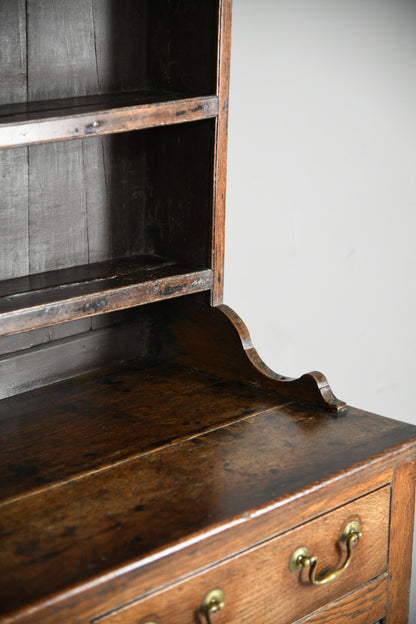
(321,200)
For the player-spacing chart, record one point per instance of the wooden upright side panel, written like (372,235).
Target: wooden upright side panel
(400,550)
(220,174)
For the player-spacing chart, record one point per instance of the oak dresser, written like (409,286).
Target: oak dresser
(153,470)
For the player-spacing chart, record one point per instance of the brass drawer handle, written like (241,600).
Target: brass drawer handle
(213,602)
(302,559)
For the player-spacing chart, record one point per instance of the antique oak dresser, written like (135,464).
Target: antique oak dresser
(153,470)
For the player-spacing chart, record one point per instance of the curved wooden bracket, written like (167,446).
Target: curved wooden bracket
(216,340)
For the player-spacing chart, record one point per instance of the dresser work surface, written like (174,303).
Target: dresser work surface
(103,523)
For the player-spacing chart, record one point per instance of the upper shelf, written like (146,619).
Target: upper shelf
(53,297)
(79,117)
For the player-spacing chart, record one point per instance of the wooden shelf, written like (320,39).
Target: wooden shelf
(45,299)
(80,117)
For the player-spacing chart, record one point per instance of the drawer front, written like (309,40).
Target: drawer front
(258,585)
(364,606)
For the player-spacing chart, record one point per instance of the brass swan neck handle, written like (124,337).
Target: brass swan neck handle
(302,559)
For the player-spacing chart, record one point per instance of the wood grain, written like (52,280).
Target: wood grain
(360,607)
(61,49)
(14,230)
(250,580)
(216,340)
(121,41)
(179,191)
(50,359)
(50,306)
(193,464)
(102,419)
(68,121)
(401,534)
(13,52)
(246,467)
(57,212)
(13,163)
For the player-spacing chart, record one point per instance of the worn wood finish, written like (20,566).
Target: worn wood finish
(191,464)
(244,467)
(92,116)
(47,306)
(131,397)
(129,582)
(249,596)
(104,419)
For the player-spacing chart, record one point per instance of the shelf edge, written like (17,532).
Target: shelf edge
(93,304)
(107,121)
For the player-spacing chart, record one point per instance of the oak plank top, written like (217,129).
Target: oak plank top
(100,419)
(140,507)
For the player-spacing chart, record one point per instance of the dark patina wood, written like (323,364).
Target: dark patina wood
(249,596)
(75,118)
(147,454)
(246,467)
(33,308)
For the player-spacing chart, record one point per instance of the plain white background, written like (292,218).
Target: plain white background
(321,198)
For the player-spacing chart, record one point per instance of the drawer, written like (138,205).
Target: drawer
(364,606)
(258,584)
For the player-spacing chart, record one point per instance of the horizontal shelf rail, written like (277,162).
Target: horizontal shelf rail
(77,118)
(55,297)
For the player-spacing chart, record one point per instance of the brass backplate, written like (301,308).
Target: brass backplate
(352,527)
(214,599)
(295,562)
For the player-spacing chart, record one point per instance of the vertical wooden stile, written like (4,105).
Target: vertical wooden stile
(401,535)
(220,169)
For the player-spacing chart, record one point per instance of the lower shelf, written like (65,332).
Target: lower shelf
(45,299)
